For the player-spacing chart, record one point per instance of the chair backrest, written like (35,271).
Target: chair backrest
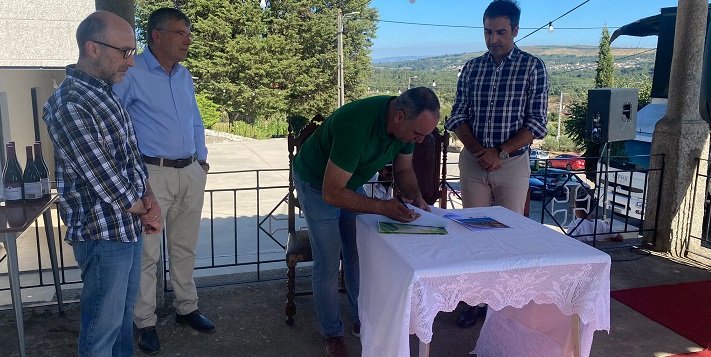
(297,136)
(429,162)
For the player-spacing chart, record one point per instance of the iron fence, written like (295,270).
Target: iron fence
(703,179)
(244,223)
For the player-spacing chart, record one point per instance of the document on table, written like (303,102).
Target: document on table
(476,223)
(427,223)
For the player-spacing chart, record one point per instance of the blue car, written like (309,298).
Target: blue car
(536,187)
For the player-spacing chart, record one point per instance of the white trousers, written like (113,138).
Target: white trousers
(180,194)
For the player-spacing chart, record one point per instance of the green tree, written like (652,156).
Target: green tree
(209,111)
(605,72)
(261,65)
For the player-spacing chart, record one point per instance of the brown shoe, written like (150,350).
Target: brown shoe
(335,346)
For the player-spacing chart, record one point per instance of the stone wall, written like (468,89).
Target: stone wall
(40,33)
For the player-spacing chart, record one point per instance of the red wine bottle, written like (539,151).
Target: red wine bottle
(41,167)
(12,176)
(31,184)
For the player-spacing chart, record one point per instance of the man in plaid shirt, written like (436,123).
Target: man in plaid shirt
(501,104)
(105,199)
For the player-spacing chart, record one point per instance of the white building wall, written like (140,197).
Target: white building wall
(37,40)
(40,33)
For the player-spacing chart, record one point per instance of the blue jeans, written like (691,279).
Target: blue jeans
(111,272)
(331,231)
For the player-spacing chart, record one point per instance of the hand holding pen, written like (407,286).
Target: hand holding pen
(406,215)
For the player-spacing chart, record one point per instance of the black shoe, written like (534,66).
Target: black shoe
(196,320)
(335,346)
(470,315)
(356,330)
(148,340)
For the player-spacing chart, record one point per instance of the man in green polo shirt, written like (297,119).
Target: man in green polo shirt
(329,171)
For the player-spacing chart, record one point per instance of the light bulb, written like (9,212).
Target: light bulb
(550,27)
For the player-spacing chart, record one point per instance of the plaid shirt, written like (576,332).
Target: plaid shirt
(99,171)
(497,101)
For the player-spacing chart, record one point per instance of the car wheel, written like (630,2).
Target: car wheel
(568,167)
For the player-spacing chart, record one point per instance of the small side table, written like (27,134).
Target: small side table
(15,219)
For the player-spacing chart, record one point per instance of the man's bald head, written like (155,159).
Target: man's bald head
(95,28)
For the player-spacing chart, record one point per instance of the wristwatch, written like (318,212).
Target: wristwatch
(502,154)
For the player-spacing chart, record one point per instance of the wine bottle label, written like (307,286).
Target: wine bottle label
(13,192)
(33,190)
(45,186)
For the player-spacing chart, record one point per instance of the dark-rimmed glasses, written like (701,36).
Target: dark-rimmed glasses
(126,53)
(180,33)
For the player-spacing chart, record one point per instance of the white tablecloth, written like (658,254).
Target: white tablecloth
(405,280)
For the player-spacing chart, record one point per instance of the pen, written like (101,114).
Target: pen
(399,198)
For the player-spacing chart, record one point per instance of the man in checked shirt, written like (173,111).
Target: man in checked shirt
(105,199)
(501,104)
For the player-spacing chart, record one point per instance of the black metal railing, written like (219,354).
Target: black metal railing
(702,181)
(622,204)
(245,221)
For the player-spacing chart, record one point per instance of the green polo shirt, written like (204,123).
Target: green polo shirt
(355,139)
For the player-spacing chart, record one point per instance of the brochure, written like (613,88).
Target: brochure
(426,219)
(476,223)
(406,228)
(427,223)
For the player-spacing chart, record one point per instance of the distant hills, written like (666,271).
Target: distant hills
(571,69)
(552,55)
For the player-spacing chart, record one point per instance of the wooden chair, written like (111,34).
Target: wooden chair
(298,246)
(429,161)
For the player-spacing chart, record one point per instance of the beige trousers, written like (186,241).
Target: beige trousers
(180,194)
(507,186)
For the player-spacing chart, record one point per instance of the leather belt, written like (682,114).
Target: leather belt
(518,152)
(178,164)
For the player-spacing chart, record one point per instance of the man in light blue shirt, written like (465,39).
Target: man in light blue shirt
(159,95)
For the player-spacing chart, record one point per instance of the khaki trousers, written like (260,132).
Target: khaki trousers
(180,194)
(507,186)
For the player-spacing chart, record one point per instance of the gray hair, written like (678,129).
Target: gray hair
(416,100)
(93,27)
(160,18)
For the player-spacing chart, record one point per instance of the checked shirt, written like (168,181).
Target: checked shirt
(99,171)
(497,101)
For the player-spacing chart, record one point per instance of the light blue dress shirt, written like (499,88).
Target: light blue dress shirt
(163,109)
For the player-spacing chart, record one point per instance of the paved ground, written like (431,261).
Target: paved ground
(250,320)
(250,317)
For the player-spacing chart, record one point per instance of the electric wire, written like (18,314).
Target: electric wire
(481,27)
(549,23)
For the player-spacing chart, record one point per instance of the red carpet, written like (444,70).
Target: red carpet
(683,308)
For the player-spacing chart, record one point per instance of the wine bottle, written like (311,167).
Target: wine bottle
(12,176)
(41,167)
(31,184)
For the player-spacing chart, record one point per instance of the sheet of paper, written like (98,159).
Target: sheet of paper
(426,219)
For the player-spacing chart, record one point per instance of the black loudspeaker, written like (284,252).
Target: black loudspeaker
(612,114)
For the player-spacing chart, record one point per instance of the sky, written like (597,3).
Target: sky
(583,26)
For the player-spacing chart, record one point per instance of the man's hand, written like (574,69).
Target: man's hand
(153,219)
(138,208)
(394,209)
(488,159)
(420,203)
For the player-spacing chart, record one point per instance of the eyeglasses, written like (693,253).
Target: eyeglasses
(126,53)
(180,33)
